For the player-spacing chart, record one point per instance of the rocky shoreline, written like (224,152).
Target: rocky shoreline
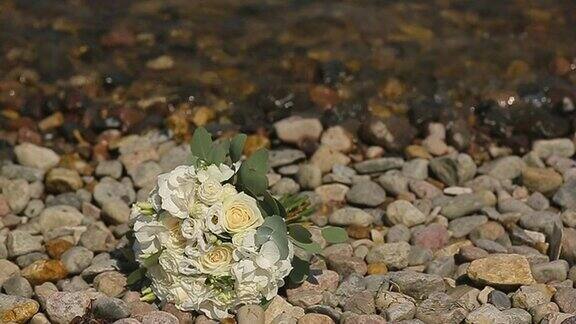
(437,235)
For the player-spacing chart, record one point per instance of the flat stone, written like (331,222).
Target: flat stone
(325,158)
(379,165)
(7,270)
(396,306)
(44,270)
(17,193)
(294,130)
(350,216)
(501,270)
(366,193)
(110,308)
(63,307)
(563,147)
(309,293)
(566,195)
(110,168)
(59,216)
(60,180)
(20,243)
(460,227)
(32,155)
(508,167)
(77,259)
(17,286)
(394,182)
(337,138)
(486,314)
(16,309)
(404,212)
(415,284)
(466,204)
(15,171)
(440,308)
(433,237)
(116,211)
(332,193)
(111,283)
(546,181)
(250,314)
(394,255)
(309,176)
(310,318)
(550,271)
(565,298)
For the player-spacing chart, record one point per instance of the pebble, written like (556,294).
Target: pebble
(440,308)
(325,158)
(393,133)
(499,299)
(59,216)
(396,306)
(111,283)
(110,308)
(461,227)
(361,303)
(34,156)
(433,237)
(565,298)
(566,195)
(15,171)
(379,165)
(394,255)
(97,238)
(338,139)
(562,147)
(508,167)
(350,216)
(394,182)
(251,314)
(415,284)
(309,176)
(115,211)
(517,316)
(501,270)
(310,318)
(486,314)
(294,130)
(332,193)
(60,180)
(285,186)
(44,270)
(109,168)
(366,193)
(62,307)
(17,286)
(466,204)
(278,158)
(550,271)
(21,242)
(405,213)
(17,194)
(17,309)
(77,259)
(545,181)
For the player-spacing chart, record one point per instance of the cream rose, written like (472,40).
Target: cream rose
(210,192)
(217,260)
(241,213)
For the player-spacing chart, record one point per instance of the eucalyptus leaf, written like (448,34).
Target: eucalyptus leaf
(219,152)
(252,173)
(270,204)
(334,234)
(313,247)
(201,143)
(135,276)
(237,146)
(300,233)
(300,270)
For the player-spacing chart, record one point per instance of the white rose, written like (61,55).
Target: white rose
(241,213)
(219,173)
(193,230)
(217,261)
(213,219)
(210,191)
(176,190)
(169,260)
(228,191)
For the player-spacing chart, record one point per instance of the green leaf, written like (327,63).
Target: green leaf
(313,247)
(279,233)
(263,235)
(334,234)
(252,173)
(201,143)
(299,233)
(237,146)
(270,204)
(300,270)
(135,276)
(219,152)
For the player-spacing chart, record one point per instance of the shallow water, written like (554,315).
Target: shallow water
(506,68)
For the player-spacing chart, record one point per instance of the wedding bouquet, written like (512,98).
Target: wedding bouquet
(211,237)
